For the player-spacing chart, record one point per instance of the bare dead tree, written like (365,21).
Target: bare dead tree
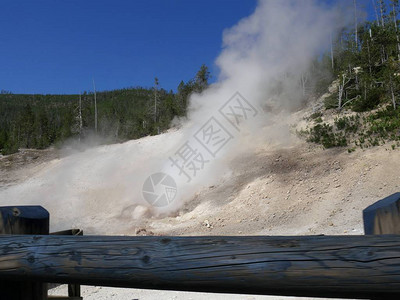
(382,16)
(332,52)
(303,81)
(369,57)
(355,23)
(80,116)
(155,98)
(77,126)
(376,12)
(341,90)
(396,30)
(95,107)
(156,84)
(392,92)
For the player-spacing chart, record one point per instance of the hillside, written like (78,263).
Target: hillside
(291,188)
(262,194)
(39,121)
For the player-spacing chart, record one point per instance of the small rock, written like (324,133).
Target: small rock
(207,224)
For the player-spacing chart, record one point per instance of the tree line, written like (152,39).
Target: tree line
(364,63)
(366,60)
(39,121)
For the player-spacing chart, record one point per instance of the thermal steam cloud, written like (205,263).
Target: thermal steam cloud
(263,58)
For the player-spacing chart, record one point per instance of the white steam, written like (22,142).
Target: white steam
(263,57)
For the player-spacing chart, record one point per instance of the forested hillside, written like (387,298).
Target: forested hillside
(365,63)
(38,121)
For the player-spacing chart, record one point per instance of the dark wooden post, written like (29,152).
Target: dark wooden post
(383,217)
(74,290)
(17,220)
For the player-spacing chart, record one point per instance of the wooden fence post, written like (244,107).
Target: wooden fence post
(383,217)
(23,220)
(74,290)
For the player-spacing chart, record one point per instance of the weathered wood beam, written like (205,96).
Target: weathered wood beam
(23,220)
(325,266)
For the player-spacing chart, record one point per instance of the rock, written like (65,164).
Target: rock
(207,224)
(144,232)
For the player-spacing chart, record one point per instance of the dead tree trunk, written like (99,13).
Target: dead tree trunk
(392,92)
(341,90)
(376,12)
(332,52)
(95,107)
(355,23)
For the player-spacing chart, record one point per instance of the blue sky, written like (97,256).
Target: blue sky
(59,46)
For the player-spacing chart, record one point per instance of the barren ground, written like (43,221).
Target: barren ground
(296,190)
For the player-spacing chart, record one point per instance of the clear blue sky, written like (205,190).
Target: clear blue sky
(58,46)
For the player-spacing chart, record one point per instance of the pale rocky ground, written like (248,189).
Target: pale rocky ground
(103,293)
(299,189)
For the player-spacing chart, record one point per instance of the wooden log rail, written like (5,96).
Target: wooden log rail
(321,266)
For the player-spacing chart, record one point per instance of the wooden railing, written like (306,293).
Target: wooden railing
(365,266)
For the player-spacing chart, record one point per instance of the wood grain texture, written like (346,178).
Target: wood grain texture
(23,220)
(341,266)
(74,290)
